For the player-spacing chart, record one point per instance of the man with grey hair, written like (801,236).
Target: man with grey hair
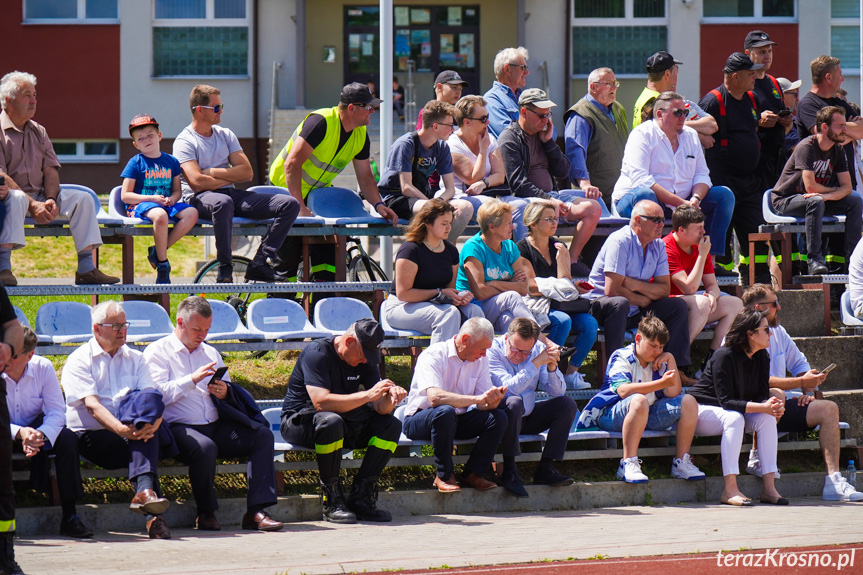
(212,418)
(32,184)
(510,72)
(99,378)
(452,397)
(595,135)
(630,278)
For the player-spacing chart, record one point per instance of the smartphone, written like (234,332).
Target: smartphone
(784,113)
(2,180)
(585,285)
(220,373)
(565,352)
(829,368)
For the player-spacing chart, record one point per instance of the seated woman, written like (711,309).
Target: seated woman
(423,295)
(549,258)
(476,162)
(734,397)
(491,267)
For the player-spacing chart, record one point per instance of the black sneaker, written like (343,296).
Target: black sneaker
(512,484)
(721,272)
(163,273)
(74,527)
(817,268)
(151,257)
(550,476)
(260,272)
(226,274)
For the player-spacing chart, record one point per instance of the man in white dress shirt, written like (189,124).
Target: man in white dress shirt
(96,378)
(182,367)
(37,413)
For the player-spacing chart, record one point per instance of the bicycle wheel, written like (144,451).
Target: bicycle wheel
(210,271)
(359,271)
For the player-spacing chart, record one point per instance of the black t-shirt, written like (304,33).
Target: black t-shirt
(319,365)
(435,269)
(769,98)
(315,130)
(808,155)
(807,109)
(741,121)
(7,312)
(731,379)
(541,268)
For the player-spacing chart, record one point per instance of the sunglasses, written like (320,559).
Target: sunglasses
(522,66)
(217,109)
(451,127)
(540,116)
(483,119)
(655,219)
(678,113)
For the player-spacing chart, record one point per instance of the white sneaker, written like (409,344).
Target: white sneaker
(575,380)
(836,488)
(753,467)
(685,469)
(629,470)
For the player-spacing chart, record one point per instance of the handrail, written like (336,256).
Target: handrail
(261,287)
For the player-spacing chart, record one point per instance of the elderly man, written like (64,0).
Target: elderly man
(212,418)
(802,412)
(38,416)
(213,163)
(12,339)
(522,365)
(452,397)
(32,184)
(595,136)
(336,399)
(816,182)
(98,378)
(631,277)
(733,161)
(532,160)
(510,72)
(664,163)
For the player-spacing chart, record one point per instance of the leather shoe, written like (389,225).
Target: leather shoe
(817,268)
(206,521)
(261,521)
(95,277)
(447,485)
(148,503)
(260,272)
(477,482)
(513,486)
(8,278)
(74,527)
(157,528)
(551,476)
(774,500)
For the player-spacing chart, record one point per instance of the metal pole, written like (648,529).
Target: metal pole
(386,111)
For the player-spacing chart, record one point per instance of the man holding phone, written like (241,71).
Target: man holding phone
(193,380)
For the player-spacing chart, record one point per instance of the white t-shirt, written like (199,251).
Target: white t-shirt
(457,146)
(209,152)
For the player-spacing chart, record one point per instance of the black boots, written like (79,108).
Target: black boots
(333,502)
(8,566)
(363,501)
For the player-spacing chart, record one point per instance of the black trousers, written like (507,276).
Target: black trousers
(7,490)
(748,191)
(814,209)
(66,461)
(109,450)
(200,445)
(555,415)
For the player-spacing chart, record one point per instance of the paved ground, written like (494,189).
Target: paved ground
(422,542)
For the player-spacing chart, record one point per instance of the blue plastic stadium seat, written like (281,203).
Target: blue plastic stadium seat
(848,317)
(148,321)
(340,206)
(117,209)
(280,190)
(64,322)
(277,318)
(336,314)
(390,331)
(274,418)
(771,217)
(226,323)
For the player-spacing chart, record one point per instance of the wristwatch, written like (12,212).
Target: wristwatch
(484,181)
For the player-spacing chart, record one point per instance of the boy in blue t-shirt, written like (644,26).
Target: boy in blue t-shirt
(151,190)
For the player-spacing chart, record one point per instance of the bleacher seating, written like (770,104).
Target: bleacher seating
(226,324)
(280,319)
(148,321)
(336,314)
(64,322)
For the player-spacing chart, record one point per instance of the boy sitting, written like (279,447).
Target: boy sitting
(642,391)
(151,190)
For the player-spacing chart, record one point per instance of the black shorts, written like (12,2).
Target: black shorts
(794,418)
(402,205)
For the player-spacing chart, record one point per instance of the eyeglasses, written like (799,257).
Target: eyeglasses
(774,303)
(540,116)
(549,220)
(616,84)
(521,352)
(483,119)
(217,109)
(369,108)
(658,220)
(116,326)
(451,127)
(522,66)
(678,113)
(765,328)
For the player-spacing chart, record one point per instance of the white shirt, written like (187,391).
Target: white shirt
(36,393)
(457,146)
(439,366)
(648,159)
(91,371)
(171,366)
(525,378)
(785,357)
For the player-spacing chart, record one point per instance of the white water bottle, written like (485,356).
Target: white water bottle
(851,474)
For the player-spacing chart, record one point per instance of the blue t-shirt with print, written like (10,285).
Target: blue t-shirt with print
(496,266)
(153,176)
(437,157)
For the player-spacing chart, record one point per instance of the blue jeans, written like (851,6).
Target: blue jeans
(717,205)
(663,414)
(583,325)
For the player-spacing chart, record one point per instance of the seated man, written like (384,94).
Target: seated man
(182,367)
(816,182)
(802,411)
(664,162)
(522,365)
(452,397)
(532,160)
(32,185)
(630,277)
(97,377)
(855,280)
(642,390)
(37,413)
(404,185)
(688,250)
(213,163)
(336,398)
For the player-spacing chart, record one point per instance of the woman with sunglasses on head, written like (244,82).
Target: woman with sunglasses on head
(734,397)
(549,258)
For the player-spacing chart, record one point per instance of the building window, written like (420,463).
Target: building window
(70,11)
(200,38)
(845,34)
(87,151)
(617,34)
(755,9)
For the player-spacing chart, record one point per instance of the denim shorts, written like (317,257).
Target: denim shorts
(663,414)
(144,207)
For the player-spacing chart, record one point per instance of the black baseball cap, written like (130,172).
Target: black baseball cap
(370,334)
(660,62)
(142,120)
(450,77)
(740,61)
(757,39)
(356,93)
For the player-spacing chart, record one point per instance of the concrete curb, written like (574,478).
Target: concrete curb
(117,517)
